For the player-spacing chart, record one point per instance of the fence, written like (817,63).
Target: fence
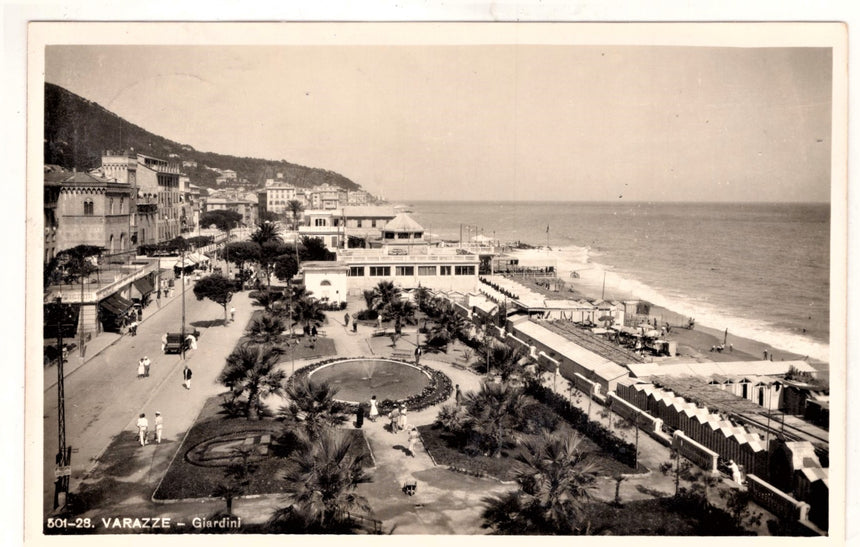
(648,423)
(695,452)
(776,501)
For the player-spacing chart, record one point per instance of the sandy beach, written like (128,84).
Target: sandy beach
(695,343)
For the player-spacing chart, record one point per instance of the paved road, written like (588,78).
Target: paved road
(104,396)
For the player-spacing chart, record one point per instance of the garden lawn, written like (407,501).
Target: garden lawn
(184,479)
(659,517)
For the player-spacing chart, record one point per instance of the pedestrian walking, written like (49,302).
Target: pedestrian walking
(413,438)
(163,342)
(417,354)
(142,426)
(354,326)
(159,426)
(146,364)
(132,327)
(359,416)
(457,395)
(141,369)
(346,319)
(394,418)
(374,408)
(186,377)
(232,314)
(314,331)
(403,418)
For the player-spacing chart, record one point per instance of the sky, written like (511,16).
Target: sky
(489,122)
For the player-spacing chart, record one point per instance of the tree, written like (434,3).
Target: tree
(312,407)
(267,328)
(493,411)
(269,216)
(503,359)
(270,253)
(237,476)
(295,206)
(313,248)
(401,311)
(384,293)
(216,288)
(554,483)
(321,483)
(222,219)
(72,265)
(449,326)
(307,312)
(266,232)
(422,298)
(251,370)
(285,266)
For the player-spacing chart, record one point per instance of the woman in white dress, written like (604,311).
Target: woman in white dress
(374,409)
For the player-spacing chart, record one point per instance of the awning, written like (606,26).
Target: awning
(187,264)
(116,304)
(144,285)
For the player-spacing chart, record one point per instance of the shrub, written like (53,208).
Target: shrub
(367,315)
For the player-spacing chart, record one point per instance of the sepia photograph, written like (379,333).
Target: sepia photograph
(458,279)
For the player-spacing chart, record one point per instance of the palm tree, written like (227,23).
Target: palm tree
(554,482)
(266,232)
(267,328)
(384,294)
(450,325)
(502,358)
(307,312)
(401,311)
(312,405)
(251,369)
(295,206)
(422,298)
(321,482)
(493,410)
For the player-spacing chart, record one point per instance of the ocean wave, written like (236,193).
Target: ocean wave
(595,279)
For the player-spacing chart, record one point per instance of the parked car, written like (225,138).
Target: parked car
(174,342)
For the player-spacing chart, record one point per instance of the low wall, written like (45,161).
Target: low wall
(776,501)
(646,422)
(585,385)
(695,452)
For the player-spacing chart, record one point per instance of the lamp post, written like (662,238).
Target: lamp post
(62,471)
(182,331)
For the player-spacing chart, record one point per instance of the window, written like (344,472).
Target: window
(121,205)
(356,271)
(88,207)
(373,223)
(403,235)
(444,270)
(377,271)
(404,270)
(426,270)
(389,235)
(464,270)
(325,283)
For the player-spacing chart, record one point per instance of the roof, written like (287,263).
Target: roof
(603,368)
(369,211)
(735,369)
(403,223)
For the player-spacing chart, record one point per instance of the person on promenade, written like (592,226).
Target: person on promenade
(186,377)
(146,364)
(359,416)
(142,426)
(141,369)
(413,438)
(163,342)
(394,418)
(417,354)
(159,426)
(403,418)
(457,395)
(374,409)
(132,327)
(232,314)
(346,319)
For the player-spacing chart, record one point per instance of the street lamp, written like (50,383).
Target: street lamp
(63,469)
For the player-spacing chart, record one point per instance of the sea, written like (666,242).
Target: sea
(762,271)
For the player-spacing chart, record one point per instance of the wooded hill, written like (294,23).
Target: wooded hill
(78,130)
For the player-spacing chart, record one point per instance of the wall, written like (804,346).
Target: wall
(695,452)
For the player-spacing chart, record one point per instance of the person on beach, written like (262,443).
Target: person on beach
(142,426)
(765,355)
(159,426)
(141,369)
(403,418)
(374,408)
(394,419)
(413,438)
(186,377)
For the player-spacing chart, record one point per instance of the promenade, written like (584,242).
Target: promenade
(113,475)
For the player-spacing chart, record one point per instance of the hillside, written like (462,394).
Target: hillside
(77,131)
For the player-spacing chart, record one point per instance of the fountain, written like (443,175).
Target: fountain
(358,379)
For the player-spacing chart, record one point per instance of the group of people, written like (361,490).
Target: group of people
(398,421)
(143,427)
(721,348)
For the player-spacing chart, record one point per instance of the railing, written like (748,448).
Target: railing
(695,452)
(776,501)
